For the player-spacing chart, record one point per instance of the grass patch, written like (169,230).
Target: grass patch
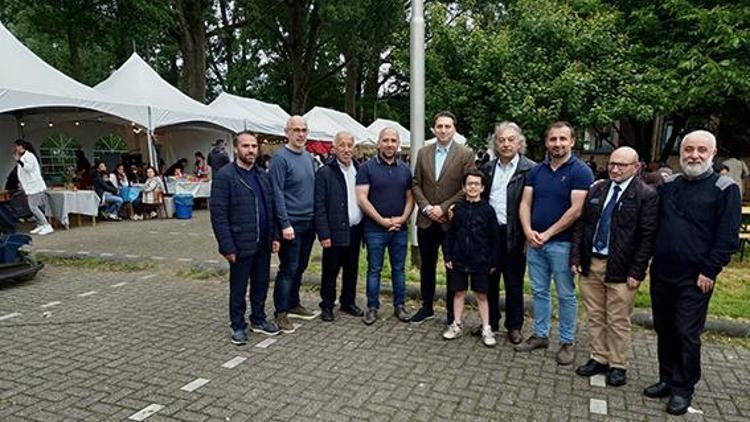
(715,338)
(202,272)
(99,264)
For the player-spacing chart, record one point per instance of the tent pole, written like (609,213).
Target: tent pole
(150,141)
(416,97)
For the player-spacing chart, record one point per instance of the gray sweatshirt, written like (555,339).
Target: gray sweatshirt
(293,181)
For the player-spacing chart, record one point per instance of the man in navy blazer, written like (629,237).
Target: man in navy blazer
(243,222)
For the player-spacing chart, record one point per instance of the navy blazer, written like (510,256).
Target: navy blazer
(331,204)
(234,216)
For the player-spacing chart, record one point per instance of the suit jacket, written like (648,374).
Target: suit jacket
(632,230)
(446,189)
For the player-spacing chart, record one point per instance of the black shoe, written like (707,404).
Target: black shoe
(352,310)
(326,315)
(592,367)
(658,390)
(370,316)
(616,377)
(678,405)
(239,337)
(421,316)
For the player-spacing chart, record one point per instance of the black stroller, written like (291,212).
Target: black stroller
(16,262)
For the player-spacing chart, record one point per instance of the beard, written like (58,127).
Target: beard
(247,160)
(695,170)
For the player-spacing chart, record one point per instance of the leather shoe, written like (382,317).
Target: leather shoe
(678,405)
(616,377)
(352,310)
(326,315)
(592,367)
(514,337)
(658,390)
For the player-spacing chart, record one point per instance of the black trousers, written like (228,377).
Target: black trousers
(512,267)
(334,259)
(255,268)
(679,310)
(430,240)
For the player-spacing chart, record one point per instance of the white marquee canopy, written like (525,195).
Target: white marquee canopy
(257,116)
(324,123)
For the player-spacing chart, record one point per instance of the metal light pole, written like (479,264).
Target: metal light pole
(416,97)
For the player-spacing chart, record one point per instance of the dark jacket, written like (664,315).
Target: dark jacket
(234,216)
(331,204)
(515,238)
(632,230)
(217,159)
(101,184)
(471,241)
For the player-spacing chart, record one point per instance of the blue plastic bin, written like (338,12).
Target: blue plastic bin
(183,206)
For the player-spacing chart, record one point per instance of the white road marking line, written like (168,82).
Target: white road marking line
(158,258)
(43,250)
(212,261)
(146,412)
(51,304)
(232,363)
(9,316)
(194,385)
(598,381)
(83,252)
(598,407)
(691,409)
(185,259)
(265,343)
(132,256)
(120,284)
(106,254)
(89,293)
(146,277)
(58,250)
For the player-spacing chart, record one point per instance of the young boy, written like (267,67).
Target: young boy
(469,253)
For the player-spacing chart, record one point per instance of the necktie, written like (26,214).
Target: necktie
(601,239)
(439,159)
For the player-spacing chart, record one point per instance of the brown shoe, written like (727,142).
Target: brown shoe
(567,354)
(514,337)
(282,321)
(532,343)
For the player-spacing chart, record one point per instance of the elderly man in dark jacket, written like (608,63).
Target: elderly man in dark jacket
(243,224)
(506,177)
(612,244)
(338,223)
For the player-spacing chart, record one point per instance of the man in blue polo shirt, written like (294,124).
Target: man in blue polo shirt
(552,201)
(384,194)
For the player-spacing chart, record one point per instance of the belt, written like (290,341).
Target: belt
(599,256)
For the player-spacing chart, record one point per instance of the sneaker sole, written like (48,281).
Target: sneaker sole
(268,333)
(422,321)
(304,317)
(238,343)
(489,345)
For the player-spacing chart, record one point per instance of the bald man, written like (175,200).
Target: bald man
(612,244)
(699,224)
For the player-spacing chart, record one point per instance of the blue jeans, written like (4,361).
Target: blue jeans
(112,203)
(552,261)
(376,242)
(294,256)
(255,268)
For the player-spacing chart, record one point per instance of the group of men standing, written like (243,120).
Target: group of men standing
(548,216)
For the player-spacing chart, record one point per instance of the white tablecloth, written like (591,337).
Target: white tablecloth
(64,202)
(197,189)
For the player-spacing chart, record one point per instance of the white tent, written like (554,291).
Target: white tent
(37,100)
(324,123)
(380,124)
(461,139)
(259,116)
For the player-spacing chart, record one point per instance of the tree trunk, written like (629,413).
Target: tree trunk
(191,29)
(74,48)
(678,125)
(352,82)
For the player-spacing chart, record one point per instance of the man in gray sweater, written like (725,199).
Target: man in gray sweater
(293,180)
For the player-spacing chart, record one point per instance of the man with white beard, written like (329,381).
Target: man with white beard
(699,224)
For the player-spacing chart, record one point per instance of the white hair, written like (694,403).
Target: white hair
(502,126)
(701,134)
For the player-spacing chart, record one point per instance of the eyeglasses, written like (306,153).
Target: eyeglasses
(619,165)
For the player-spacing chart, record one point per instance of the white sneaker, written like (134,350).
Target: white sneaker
(488,337)
(453,331)
(154,214)
(36,230)
(45,230)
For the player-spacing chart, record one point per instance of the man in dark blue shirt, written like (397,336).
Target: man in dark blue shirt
(384,194)
(241,217)
(552,201)
(699,224)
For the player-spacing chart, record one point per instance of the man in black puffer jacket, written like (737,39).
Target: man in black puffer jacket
(242,220)
(338,223)
(612,244)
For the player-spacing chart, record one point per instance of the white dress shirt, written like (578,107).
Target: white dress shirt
(350,176)
(623,186)
(499,188)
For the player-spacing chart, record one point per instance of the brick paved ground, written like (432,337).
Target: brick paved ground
(108,355)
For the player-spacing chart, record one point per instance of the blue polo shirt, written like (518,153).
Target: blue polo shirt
(552,192)
(388,186)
